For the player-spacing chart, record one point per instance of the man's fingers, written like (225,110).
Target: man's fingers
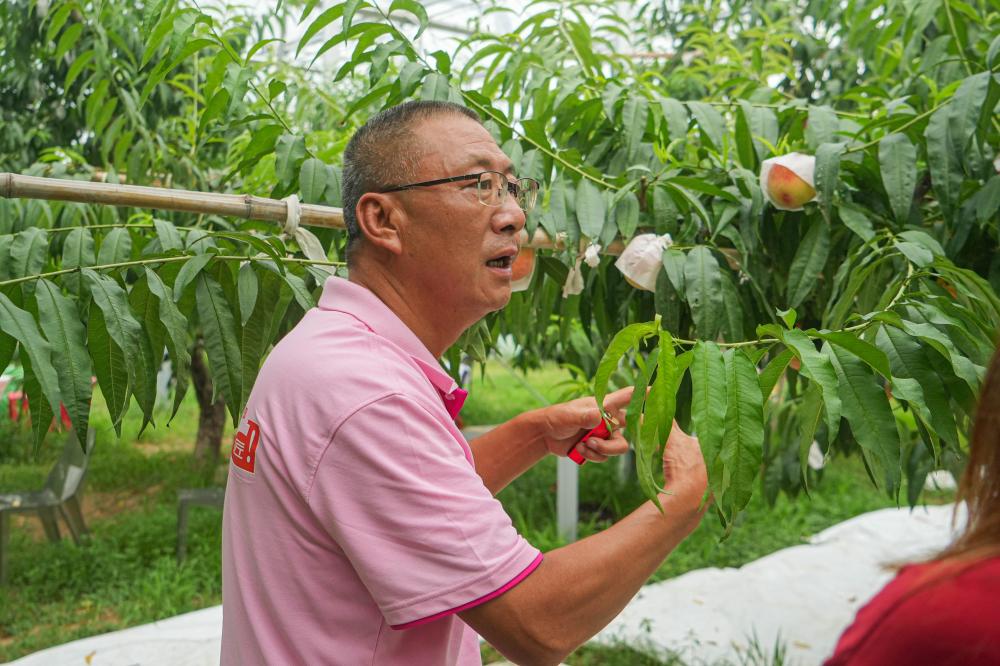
(617,400)
(613,446)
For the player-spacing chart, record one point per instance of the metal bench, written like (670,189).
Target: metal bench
(186,498)
(61,495)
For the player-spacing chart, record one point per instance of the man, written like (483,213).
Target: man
(360,527)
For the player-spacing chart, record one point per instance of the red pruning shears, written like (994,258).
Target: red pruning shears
(601,432)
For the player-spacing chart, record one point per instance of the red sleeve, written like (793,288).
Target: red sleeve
(931,614)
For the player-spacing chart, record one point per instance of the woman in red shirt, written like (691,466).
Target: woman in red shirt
(946,610)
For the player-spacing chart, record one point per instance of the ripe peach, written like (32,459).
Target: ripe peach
(785,187)
(522,269)
(787,181)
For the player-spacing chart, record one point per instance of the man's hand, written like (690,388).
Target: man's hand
(684,472)
(563,424)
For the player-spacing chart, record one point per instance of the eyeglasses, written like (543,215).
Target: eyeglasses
(492,188)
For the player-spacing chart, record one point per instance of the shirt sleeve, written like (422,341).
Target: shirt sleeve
(396,491)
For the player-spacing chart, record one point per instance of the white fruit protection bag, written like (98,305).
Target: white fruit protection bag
(643,258)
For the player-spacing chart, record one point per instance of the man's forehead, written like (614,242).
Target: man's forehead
(461,142)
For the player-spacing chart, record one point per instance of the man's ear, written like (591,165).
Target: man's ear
(379,217)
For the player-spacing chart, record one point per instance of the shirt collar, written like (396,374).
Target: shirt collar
(340,295)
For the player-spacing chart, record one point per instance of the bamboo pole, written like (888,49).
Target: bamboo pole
(243,206)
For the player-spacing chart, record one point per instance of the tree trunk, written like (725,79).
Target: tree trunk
(211,414)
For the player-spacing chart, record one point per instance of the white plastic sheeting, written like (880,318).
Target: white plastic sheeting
(804,596)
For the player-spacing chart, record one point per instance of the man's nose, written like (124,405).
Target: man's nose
(509,218)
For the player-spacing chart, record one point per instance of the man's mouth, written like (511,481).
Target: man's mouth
(500,262)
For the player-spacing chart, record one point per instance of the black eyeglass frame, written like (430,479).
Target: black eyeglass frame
(513,185)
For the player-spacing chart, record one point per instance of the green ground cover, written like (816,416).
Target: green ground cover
(127,574)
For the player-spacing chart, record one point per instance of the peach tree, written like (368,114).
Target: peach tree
(841,300)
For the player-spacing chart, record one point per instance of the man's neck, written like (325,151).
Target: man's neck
(437,332)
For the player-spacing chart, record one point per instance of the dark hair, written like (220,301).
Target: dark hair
(980,484)
(385,152)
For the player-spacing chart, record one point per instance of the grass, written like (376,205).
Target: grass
(127,574)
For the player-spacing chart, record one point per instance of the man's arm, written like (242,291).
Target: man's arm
(580,588)
(510,449)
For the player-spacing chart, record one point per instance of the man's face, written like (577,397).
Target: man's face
(459,249)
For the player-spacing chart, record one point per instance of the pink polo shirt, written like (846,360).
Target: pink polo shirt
(355,525)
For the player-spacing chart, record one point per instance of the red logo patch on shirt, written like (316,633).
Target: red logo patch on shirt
(245,446)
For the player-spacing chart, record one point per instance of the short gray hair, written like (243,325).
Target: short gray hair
(384,152)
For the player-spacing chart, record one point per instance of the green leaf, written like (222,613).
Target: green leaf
(79,64)
(589,209)
(150,347)
(67,41)
(57,20)
(866,408)
(28,252)
(915,381)
(943,161)
(866,351)
(634,115)
(644,437)
(221,343)
(626,214)
(170,238)
(255,332)
(965,109)
(312,180)
(963,367)
(661,411)
(257,47)
(78,250)
(21,326)
(188,272)
(918,255)
(175,329)
(744,140)
(775,368)
(897,158)
(732,310)
(436,87)
(827,174)
(116,247)
(125,331)
(40,409)
(625,339)
(350,8)
(262,143)
(299,291)
(822,126)
(743,442)
(809,416)
(109,366)
(214,109)
(289,153)
(923,239)
(676,118)
(321,21)
(248,288)
(703,281)
(708,408)
(857,222)
(808,263)
(712,125)
(62,327)
(155,39)
(414,8)
(673,265)
(818,368)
